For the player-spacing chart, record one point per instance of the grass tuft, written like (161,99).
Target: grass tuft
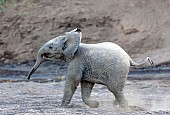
(2,4)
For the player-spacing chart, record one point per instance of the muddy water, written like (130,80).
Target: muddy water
(147,91)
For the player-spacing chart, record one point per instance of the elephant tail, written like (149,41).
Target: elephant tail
(132,63)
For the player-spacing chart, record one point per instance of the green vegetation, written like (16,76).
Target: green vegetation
(2,4)
(29,4)
(2,1)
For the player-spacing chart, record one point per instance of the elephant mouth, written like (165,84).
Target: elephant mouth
(53,56)
(47,55)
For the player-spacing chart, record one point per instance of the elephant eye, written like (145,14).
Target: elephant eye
(50,47)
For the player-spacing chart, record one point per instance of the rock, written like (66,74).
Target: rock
(28,42)
(6,61)
(130,31)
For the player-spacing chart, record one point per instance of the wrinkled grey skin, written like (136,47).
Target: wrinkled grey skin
(102,63)
(62,47)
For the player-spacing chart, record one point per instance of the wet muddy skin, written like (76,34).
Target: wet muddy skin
(147,91)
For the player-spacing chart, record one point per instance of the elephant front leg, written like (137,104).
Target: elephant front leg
(86,88)
(69,90)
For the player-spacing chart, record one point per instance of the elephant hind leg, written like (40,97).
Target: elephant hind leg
(86,88)
(119,97)
(121,100)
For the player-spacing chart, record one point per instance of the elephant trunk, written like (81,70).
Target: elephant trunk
(37,64)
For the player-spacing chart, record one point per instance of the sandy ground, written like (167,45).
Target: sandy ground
(146,97)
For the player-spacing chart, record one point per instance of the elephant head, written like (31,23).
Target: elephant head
(62,47)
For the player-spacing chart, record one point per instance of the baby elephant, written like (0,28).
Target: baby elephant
(103,63)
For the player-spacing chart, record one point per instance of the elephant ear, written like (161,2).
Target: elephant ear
(71,43)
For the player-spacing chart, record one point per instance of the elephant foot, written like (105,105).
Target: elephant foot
(64,106)
(115,103)
(124,109)
(121,107)
(92,103)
